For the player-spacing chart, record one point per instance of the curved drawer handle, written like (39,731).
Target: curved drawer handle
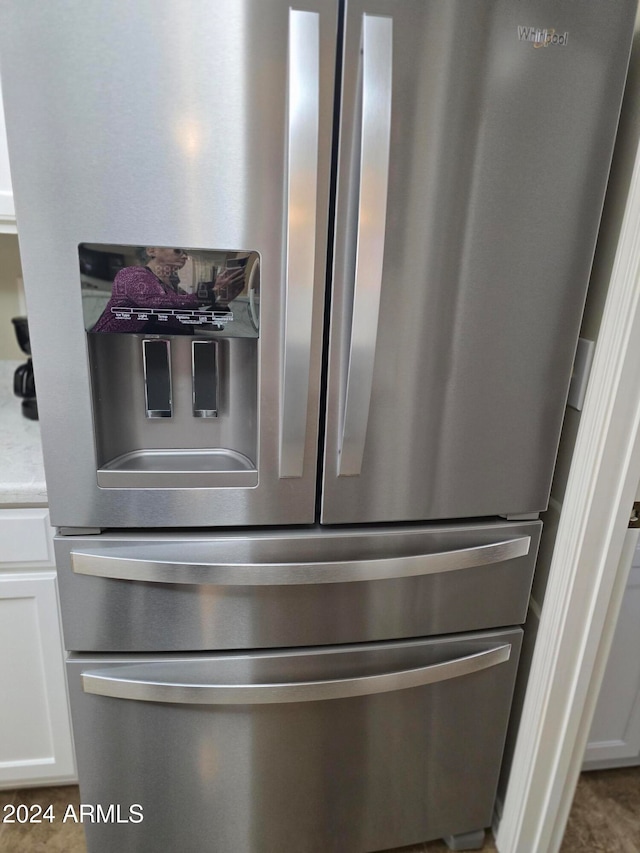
(114,682)
(302,173)
(111,565)
(377,63)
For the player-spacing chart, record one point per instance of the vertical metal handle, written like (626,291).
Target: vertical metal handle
(303,127)
(156,362)
(204,378)
(377,64)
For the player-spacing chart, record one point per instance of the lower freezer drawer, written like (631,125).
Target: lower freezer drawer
(323,750)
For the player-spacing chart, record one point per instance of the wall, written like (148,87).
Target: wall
(11,296)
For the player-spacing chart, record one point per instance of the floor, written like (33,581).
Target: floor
(605,819)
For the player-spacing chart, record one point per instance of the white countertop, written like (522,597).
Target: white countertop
(21,466)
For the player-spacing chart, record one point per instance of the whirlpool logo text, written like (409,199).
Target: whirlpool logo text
(542,37)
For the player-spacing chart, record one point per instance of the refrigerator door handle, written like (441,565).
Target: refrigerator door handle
(107,564)
(302,175)
(140,686)
(377,64)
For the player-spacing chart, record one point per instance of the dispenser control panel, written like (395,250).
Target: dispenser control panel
(168,290)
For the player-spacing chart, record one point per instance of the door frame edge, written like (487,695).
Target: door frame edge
(581,606)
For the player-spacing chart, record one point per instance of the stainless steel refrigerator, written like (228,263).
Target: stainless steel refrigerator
(304,286)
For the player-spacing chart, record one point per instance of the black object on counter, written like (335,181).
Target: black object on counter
(24,385)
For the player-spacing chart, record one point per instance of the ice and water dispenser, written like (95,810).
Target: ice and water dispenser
(172,338)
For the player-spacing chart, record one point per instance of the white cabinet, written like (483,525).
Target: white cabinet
(36,745)
(7,211)
(614,740)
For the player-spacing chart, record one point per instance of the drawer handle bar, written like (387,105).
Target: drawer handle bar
(110,565)
(114,683)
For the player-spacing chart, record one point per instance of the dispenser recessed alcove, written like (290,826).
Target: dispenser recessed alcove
(173,338)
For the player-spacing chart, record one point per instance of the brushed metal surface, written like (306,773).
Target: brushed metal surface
(174,117)
(184,607)
(176,683)
(303,117)
(173,568)
(314,777)
(377,65)
(498,166)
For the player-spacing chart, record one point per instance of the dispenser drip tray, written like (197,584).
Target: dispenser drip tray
(179,469)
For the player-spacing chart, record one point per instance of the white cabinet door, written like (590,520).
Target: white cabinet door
(36,746)
(614,740)
(7,211)
(35,739)
(26,539)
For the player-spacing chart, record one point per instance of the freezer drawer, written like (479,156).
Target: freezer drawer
(356,748)
(169,592)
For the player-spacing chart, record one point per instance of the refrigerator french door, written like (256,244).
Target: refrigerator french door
(304,284)
(471,162)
